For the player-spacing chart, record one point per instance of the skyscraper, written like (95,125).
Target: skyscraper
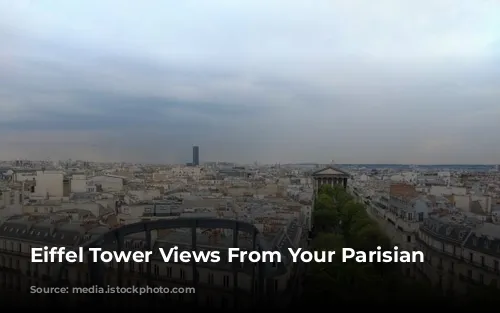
(196,156)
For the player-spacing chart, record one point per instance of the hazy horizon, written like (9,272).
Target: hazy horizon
(360,82)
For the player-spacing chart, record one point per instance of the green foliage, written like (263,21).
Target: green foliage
(324,202)
(327,190)
(341,222)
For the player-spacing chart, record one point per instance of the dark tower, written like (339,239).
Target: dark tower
(196,156)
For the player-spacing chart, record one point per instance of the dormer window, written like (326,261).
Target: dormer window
(448,231)
(486,243)
(474,241)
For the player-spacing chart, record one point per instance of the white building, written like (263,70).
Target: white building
(108,183)
(78,183)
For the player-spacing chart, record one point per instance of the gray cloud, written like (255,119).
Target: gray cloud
(277,86)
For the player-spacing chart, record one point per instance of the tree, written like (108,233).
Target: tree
(326,221)
(324,202)
(327,190)
(341,223)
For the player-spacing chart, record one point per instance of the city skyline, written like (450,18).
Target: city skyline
(273,81)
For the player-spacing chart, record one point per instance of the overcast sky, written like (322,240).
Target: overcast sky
(357,81)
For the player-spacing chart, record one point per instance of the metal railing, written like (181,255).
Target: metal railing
(116,237)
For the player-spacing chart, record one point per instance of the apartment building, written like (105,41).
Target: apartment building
(216,285)
(462,253)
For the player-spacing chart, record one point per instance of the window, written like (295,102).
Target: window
(210,278)
(482,261)
(209,300)
(131,266)
(157,270)
(408,238)
(471,256)
(420,217)
(452,267)
(226,281)
(169,272)
(183,274)
(224,303)
(496,266)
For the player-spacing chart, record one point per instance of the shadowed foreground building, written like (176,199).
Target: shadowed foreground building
(220,285)
(462,254)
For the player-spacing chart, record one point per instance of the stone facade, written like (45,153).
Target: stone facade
(330,176)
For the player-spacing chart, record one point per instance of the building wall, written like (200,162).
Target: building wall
(444,191)
(108,183)
(455,268)
(10,197)
(49,184)
(78,183)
